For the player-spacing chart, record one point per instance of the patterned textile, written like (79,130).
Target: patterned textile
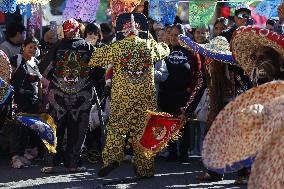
(71,25)
(81,9)
(70,96)
(45,127)
(247,39)
(8,6)
(267,8)
(217,49)
(35,19)
(267,170)
(43,2)
(201,12)
(163,11)
(5,91)
(133,92)
(160,128)
(5,71)
(241,128)
(122,6)
(72,71)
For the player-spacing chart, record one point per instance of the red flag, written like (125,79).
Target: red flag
(160,128)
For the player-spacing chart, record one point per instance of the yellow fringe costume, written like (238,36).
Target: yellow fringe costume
(133,93)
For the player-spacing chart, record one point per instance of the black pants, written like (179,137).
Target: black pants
(93,140)
(71,114)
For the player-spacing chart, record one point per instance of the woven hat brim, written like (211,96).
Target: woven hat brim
(219,56)
(247,40)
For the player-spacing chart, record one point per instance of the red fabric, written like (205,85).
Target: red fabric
(71,25)
(225,11)
(158,131)
(272,36)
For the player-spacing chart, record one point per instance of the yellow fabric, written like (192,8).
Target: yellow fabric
(133,93)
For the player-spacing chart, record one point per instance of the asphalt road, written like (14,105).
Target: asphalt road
(168,175)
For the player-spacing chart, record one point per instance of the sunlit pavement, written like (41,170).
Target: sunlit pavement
(168,175)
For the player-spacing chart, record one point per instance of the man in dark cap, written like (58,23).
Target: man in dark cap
(242,15)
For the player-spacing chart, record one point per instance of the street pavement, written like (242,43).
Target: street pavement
(168,175)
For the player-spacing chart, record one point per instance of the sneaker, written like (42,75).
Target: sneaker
(16,162)
(107,169)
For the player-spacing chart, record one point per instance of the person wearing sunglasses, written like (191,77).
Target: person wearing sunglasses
(241,18)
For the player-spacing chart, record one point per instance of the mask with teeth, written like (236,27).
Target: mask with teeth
(72,70)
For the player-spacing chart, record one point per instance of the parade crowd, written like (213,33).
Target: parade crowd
(138,65)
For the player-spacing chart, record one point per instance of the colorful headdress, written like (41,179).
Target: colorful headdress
(131,23)
(247,39)
(71,25)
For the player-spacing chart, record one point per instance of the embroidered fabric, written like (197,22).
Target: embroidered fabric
(35,17)
(8,6)
(83,9)
(163,11)
(267,8)
(121,6)
(200,12)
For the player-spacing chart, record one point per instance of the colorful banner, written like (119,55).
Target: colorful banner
(164,11)
(45,127)
(118,7)
(102,11)
(81,9)
(8,6)
(24,2)
(35,17)
(267,8)
(159,129)
(201,12)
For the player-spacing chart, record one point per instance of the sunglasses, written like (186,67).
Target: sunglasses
(242,16)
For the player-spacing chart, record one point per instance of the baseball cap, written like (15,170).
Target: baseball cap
(242,7)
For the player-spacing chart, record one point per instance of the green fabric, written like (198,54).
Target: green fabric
(101,13)
(201,12)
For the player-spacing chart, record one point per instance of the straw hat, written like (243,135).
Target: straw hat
(217,49)
(267,170)
(5,72)
(247,39)
(240,130)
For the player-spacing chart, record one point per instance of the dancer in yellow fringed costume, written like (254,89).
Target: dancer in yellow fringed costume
(133,91)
